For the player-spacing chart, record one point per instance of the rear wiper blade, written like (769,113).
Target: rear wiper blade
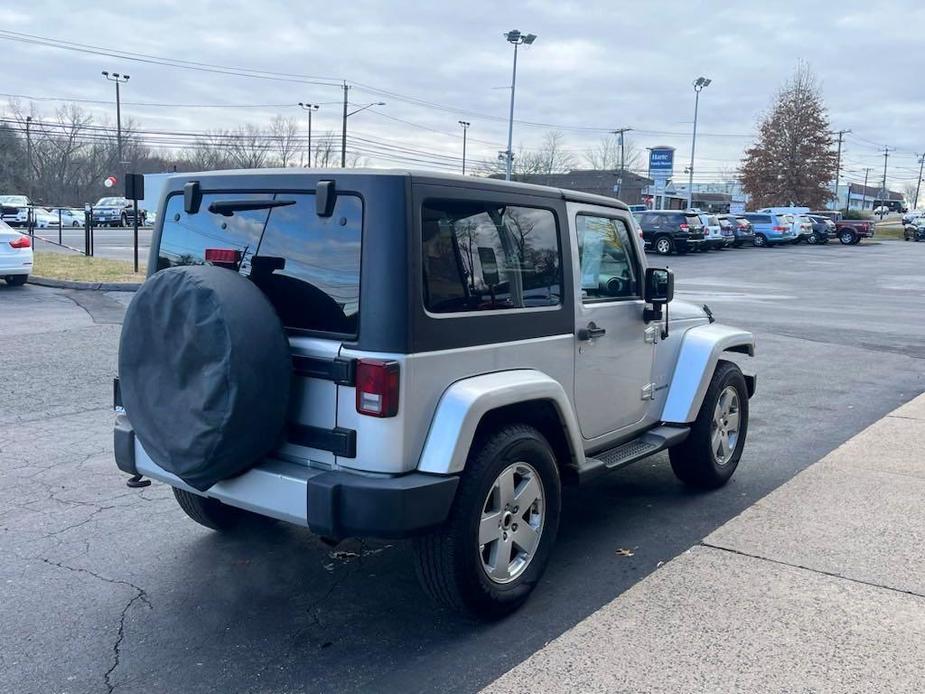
(227,208)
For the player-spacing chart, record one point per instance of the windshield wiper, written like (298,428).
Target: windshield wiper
(226,208)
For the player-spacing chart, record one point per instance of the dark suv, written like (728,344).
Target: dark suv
(667,231)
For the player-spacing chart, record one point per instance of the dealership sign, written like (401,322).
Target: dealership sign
(661,163)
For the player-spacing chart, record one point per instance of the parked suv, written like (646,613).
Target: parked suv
(395,354)
(116,212)
(714,235)
(14,210)
(742,230)
(667,231)
(771,228)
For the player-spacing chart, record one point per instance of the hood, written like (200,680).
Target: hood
(684,310)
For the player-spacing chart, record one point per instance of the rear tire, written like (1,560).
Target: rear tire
(711,452)
(847,237)
(211,513)
(664,245)
(462,564)
(761,241)
(16,280)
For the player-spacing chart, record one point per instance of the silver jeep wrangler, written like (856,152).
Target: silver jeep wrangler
(394,354)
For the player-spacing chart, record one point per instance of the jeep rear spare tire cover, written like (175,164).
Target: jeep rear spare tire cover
(205,371)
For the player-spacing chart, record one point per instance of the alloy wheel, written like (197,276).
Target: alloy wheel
(725,430)
(512,522)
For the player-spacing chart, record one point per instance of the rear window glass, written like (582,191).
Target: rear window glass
(308,266)
(489,256)
(693,220)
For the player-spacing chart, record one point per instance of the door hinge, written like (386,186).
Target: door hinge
(648,391)
(651,334)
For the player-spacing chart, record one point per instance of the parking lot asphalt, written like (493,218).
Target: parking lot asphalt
(103,587)
(108,242)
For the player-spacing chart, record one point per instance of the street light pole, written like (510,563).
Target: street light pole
(118,79)
(699,84)
(465,126)
(309,108)
(515,37)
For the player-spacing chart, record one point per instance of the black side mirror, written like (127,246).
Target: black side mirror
(658,290)
(659,286)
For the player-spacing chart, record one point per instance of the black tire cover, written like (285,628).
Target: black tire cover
(205,372)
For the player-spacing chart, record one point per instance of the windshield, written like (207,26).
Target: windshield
(106,202)
(13,200)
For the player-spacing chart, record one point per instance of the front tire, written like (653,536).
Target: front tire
(489,555)
(812,240)
(711,452)
(211,513)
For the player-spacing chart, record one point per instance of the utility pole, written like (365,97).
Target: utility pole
(864,194)
(841,134)
(918,185)
(309,107)
(465,126)
(886,156)
(118,79)
(619,132)
(343,131)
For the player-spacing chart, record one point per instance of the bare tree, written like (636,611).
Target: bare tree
(605,155)
(793,161)
(285,135)
(248,147)
(209,152)
(551,157)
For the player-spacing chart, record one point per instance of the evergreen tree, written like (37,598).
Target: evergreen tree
(793,162)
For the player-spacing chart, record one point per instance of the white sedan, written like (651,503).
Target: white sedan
(15,256)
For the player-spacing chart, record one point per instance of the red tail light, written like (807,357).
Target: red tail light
(781,228)
(21,242)
(377,387)
(224,257)
(683,227)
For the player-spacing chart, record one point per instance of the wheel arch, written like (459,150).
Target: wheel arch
(701,350)
(473,407)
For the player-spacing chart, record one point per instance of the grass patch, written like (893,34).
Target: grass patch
(80,268)
(889,231)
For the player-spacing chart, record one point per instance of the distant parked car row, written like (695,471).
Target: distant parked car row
(109,211)
(681,231)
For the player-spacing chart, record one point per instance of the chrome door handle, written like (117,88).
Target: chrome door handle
(591,332)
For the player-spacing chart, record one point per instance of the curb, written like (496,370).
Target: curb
(94,286)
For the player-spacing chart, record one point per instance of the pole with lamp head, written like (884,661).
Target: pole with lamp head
(699,84)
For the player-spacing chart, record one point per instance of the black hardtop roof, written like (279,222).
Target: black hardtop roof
(258,179)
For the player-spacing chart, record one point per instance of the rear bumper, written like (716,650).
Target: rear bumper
(332,503)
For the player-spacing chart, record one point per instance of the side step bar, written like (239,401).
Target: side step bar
(653,441)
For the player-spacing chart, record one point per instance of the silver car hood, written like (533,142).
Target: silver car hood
(683,311)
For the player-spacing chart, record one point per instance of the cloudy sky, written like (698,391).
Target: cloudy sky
(596,66)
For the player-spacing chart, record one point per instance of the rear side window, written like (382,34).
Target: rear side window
(308,266)
(489,256)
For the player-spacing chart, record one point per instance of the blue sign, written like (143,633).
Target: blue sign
(661,162)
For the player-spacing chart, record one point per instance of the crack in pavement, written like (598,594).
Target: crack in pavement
(140,595)
(821,572)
